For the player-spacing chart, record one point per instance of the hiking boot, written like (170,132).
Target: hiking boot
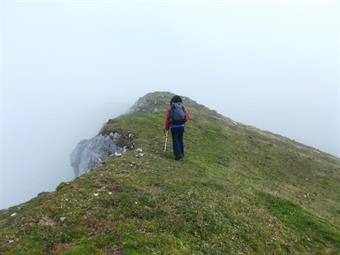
(180,157)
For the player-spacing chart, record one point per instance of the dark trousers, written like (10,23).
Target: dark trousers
(177,141)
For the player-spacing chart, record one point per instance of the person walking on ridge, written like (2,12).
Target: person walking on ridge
(176,117)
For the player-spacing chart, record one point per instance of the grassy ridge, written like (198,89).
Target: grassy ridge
(239,191)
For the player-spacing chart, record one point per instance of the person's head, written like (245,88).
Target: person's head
(176,99)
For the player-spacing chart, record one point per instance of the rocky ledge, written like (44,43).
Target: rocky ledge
(90,153)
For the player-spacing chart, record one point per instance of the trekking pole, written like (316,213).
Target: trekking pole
(166,140)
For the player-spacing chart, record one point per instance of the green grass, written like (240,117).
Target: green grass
(313,229)
(239,191)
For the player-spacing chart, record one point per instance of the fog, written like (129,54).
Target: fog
(68,66)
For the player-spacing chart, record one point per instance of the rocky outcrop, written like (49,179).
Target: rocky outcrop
(90,153)
(151,103)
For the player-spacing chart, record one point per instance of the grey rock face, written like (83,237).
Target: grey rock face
(88,154)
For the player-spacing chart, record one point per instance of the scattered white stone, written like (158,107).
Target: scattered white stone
(306,195)
(96,194)
(139,150)
(117,154)
(11,241)
(136,203)
(13,214)
(140,154)
(62,219)
(234,122)
(110,193)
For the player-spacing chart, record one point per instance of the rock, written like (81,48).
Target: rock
(89,154)
(45,221)
(10,241)
(114,136)
(117,154)
(42,194)
(139,150)
(96,194)
(62,219)
(13,214)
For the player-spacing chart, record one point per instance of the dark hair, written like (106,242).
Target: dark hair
(176,99)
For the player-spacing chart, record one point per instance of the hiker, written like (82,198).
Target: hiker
(176,116)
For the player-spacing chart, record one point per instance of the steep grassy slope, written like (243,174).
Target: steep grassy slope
(239,191)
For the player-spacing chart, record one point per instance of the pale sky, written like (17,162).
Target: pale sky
(68,66)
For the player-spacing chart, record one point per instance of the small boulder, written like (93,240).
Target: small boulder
(45,221)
